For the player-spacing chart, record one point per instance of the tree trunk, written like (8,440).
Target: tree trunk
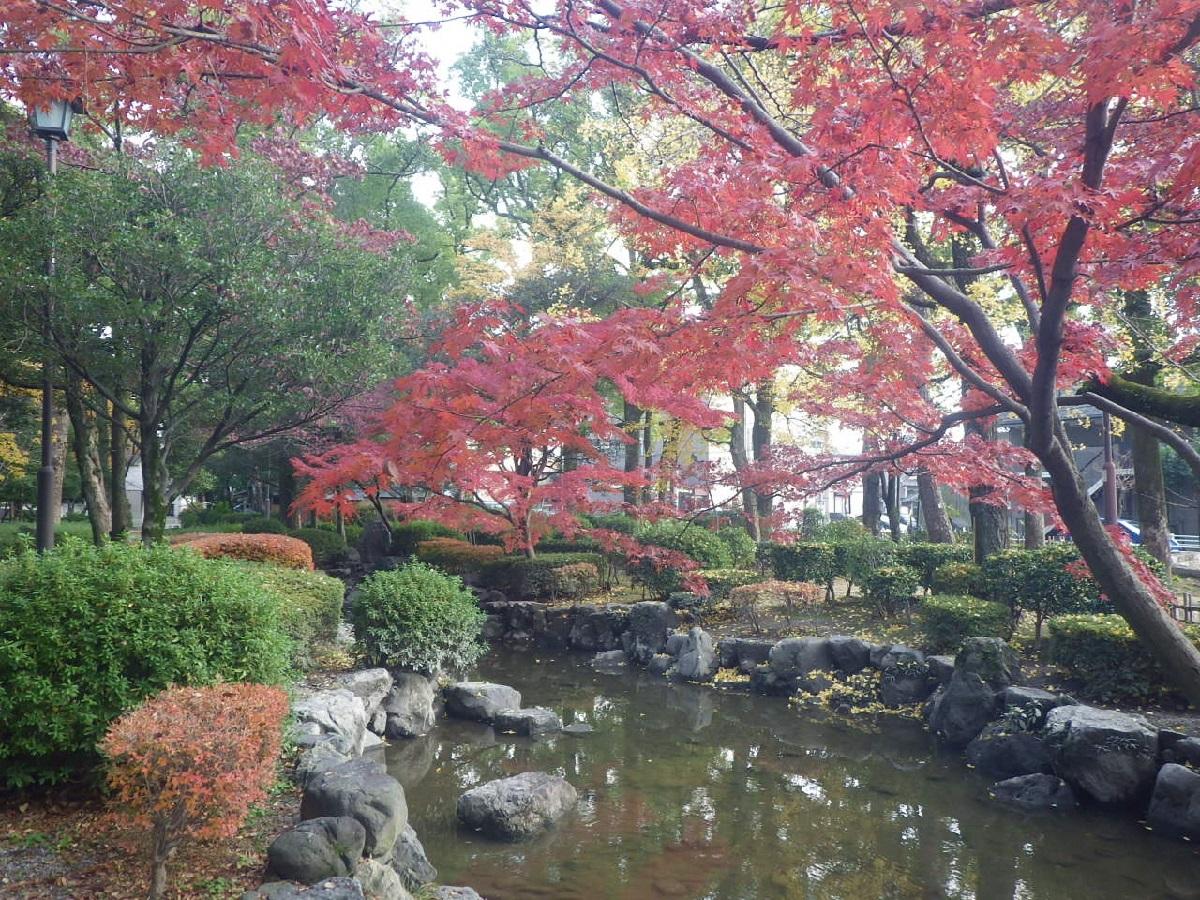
(760,439)
(872,489)
(154,485)
(118,455)
(59,436)
(741,465)
(1151,496)
(890,485)
(933,511)
(647,452)
(631,420)
(87,458)
(1170,647)
(989,523)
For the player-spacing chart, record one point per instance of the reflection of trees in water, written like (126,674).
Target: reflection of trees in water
(769,802)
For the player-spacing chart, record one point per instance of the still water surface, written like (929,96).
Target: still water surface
(690,792)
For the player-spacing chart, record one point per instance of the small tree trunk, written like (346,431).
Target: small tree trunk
(631,419)
(760,439)
(891,498)
(87,457)
(741,465)
(118,454)
(59,435)
(1151,496)
(933,511)
(154,486)
(160,852)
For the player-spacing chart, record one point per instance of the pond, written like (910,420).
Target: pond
(692,792)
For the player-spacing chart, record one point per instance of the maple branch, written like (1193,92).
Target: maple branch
(1168,436)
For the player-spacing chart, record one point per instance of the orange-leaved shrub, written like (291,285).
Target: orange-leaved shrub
(786,594)
(190,762)
(456,557)
(269,548)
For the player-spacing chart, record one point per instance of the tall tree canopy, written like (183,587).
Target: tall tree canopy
(976,182)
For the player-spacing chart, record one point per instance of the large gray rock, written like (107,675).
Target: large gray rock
(337,712)
(961,709)
(369,685)
(991,659)
(518,807)
(320,753)
(906,684)
(675,643)
(659,663)
(999,754)
(362,790)
(410,861)
(449,892)
(649,624)
(1175,803)
(325,847)
(598,627)
(480,701)
(889,656)
(1021,697)
(1109,756)
(793,657)
(745,653)
(380,881)
(330,889)
(850,654)
(535,721)
(697,657)
(763,680)
(941,668)
(409,706)
(610,661)
(1034,792)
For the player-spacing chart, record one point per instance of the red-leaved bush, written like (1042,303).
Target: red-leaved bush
(189,762)
(269,548)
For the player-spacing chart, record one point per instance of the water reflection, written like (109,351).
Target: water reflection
(692,793)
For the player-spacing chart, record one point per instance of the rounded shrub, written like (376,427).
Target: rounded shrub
(741,546)
(408,535)
(891,588)
(418,618)
(1109,661)
(927,558)
(278,549)
(1044,582)
(811,562)
(522,578)
(947,620)
(455,556)
(309,603)
(574,581)
(961,578)
(88,632)
(328,547)
(696,541)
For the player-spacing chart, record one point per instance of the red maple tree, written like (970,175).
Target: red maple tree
(973,183)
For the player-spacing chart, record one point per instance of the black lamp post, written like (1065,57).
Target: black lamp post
(53,123)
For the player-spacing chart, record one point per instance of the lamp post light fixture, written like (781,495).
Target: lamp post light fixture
(53,123)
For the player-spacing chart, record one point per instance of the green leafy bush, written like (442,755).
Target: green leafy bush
(925,558)
(618,522)
(264,525)
(522,578)
(809,562)
(741,546)
(947,620)
(1043,582)
(309,603)
(702,545)
(857,558)
(561,545)
(456,557)
(328,547)
(891,588)
(1106,657)
(958,578)
(407,535)
(419,619)
(88,632)
(213,514)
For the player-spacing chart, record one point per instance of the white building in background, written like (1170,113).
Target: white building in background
(137,506)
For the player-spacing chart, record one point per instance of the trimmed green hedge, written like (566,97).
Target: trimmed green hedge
(309,603)
(948,620)
(407,535)
(264,525)
(522,578)
(962,578)
(925,559)
(1040,582)
(88,632)
(891,588)
(721,581)
(806,561)
(702,545)
(1107,658)
(328,547)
